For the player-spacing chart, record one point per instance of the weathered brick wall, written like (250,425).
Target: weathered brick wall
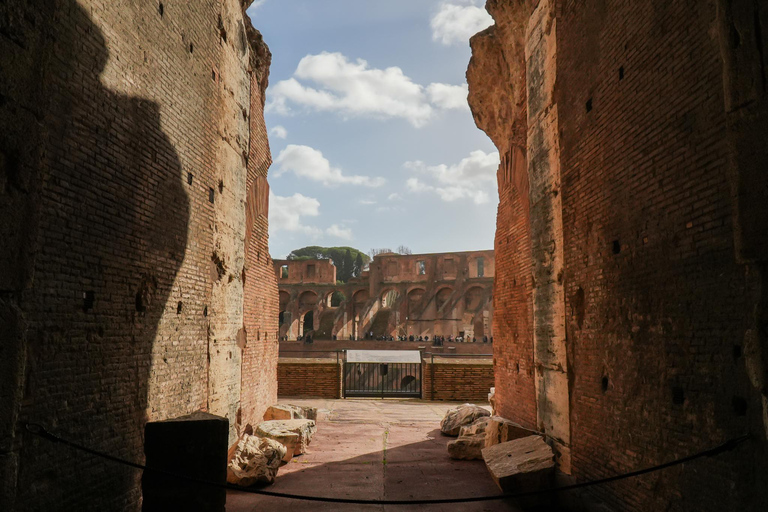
(260,337)
(498,67)
(457,381)
(664,324)
(309,378)
(123,142)
(656,302)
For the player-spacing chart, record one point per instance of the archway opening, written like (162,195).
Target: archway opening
(309,323)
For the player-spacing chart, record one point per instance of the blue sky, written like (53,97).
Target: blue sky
(372,140)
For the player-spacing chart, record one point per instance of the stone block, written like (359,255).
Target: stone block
(524,464)
(255,460)
(295,435)
(195,446)
(500,430)
(290,412)
(477,427)
(462,415)
(467,447)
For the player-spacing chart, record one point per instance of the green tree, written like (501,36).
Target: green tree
(358,268)
(343,258)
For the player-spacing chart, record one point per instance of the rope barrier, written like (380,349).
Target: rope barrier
(731,444)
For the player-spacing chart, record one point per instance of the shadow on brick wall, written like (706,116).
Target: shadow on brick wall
(108,226)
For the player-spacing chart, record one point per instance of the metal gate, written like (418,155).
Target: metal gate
(382,379)
(391,373)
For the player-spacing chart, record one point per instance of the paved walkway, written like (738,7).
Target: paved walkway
(376,449)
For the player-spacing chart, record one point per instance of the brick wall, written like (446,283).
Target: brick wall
(655,299)
(457,381)
(497,73)
(260,337)
(660,314)
(123,136)
(313,378)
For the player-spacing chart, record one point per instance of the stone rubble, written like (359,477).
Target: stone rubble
(295,435)
(525,464)
(500,430)
(255,460)
(290,412)
(462,415)
(470,442)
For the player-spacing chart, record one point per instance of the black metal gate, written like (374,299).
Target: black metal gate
(382,379)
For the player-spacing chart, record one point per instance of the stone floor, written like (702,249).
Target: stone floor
(376,449)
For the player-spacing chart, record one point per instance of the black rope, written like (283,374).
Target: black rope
(39,430)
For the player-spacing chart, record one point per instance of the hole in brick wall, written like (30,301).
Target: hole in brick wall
(189,178)
(213,75)
(191,47)
(621,73)
(210,195)
(221,186)
(140,306)
(739,406)
(89,298)
(101,331)
(518,367)
(604,383)
(678,395)
(161,9)
(736,351)
(616,247)
(205,311)
(179,307)
(735,37)
(589,105)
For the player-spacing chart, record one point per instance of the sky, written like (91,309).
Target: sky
(372,140)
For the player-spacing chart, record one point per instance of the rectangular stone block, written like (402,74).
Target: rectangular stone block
(195,446)
(524,464)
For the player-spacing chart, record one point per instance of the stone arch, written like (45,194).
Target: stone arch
(415,295)
(442,296)
(337,298)
(360,296)
(474,298)
(284,300)
(307,300)
(389,297)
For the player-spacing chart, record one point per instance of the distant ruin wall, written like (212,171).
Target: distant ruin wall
(651,122)
(126,130)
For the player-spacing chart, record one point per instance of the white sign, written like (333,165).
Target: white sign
(383,356)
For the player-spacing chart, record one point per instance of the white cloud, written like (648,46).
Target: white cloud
(310,163)
(449,96)
(456,21)
(285,213)
(279,131)
(367,201)
(353,89)
(472,178)
(395,197)
(339,232)
(251,11)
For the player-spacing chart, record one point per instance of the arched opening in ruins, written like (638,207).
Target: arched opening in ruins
(442,297)
(308,324)
(338,298)
(389,298)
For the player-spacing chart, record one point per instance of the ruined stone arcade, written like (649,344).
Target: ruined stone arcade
(447,294)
